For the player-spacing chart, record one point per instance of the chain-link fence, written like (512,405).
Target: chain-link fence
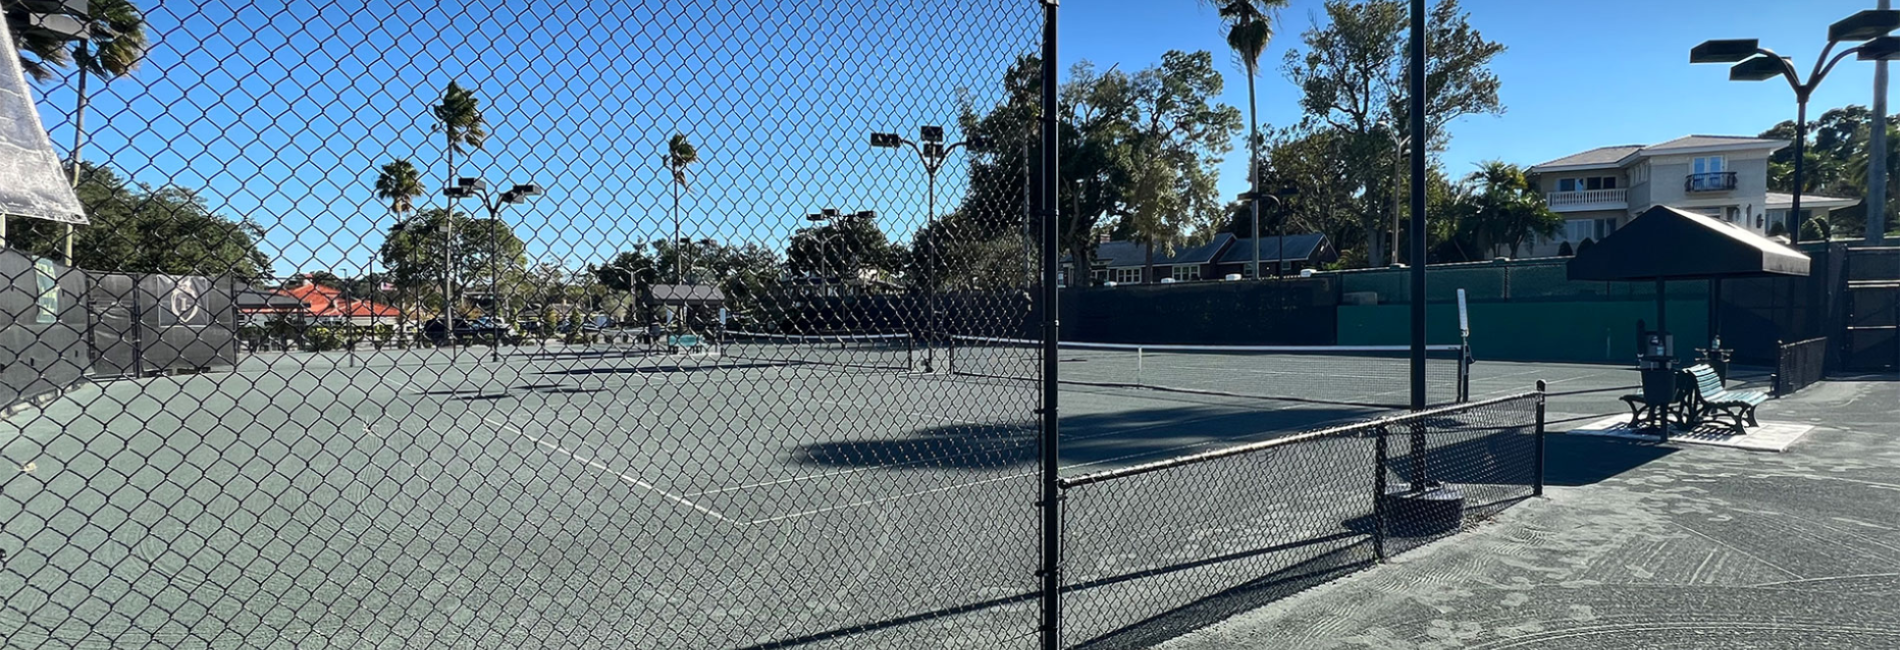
(1155,549)
(550,327)
(596,325)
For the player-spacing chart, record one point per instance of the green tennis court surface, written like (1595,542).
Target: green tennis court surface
(337,500)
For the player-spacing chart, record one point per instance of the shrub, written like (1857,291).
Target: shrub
(1565,250)
(322,339)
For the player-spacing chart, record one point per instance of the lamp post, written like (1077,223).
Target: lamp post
(932,153)
(1756,63)
(476,188)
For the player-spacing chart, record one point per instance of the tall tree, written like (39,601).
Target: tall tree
(144,229)
(1249,30)
(680,154)
(399,183)
(413,254)
(458,117)
(115,45)
(1352,77)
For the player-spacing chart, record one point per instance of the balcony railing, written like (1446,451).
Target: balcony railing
(1709,182)
(1595,198)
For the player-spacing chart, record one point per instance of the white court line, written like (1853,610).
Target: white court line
(629,479)
(894,497)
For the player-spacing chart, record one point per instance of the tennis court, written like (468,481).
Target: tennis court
(574,496)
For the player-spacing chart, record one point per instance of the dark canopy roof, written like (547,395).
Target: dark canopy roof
(1670,244)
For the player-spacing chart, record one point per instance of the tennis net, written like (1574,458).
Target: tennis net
(1378,376)
(853,351)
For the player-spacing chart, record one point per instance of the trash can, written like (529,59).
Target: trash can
(1657,364)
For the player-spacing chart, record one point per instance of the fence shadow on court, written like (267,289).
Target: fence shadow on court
(1087,440)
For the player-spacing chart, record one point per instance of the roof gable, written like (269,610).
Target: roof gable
(1298,247)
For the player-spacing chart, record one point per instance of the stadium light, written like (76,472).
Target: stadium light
(1756,63)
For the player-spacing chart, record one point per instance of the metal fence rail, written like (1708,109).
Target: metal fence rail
(1154,548)
(1800,364)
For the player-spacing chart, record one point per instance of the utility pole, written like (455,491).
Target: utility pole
(1876,208)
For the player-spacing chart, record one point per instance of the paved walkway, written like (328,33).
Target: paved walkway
(1645,546)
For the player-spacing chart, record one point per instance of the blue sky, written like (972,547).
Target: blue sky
(280,112)
(1577,75)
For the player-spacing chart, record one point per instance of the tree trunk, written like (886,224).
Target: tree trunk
(1148,264)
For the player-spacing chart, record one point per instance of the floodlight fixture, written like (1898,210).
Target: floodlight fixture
(471,184)
(886,140)
(1885,48)
(1760,68)
(1725,50)
(930,133)
(1868,24)
(934,150)
(978,143)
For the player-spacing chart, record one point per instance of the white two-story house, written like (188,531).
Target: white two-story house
(1726,177)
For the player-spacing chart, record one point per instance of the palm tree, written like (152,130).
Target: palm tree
(1508,211)
(399,183)
(114,47)
(1249,29)
(459,119)
(680,153)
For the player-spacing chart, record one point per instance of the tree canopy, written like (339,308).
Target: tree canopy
(138,228)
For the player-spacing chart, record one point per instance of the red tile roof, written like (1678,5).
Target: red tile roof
(329,302)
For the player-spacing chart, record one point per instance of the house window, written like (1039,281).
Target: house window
(1733,214)
(1641,173)
(1587,183)
(1187,273)
(1709,165)
(1128,276)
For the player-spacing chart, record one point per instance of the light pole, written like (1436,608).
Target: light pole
(932,153)
(1275,196)
(476,188)
(1756,63)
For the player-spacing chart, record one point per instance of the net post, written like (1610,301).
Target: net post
(1378,492)
(1538,457)
(1141,359)
(1464,370)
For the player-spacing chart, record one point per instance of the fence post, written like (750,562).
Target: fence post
(1539,454)
(138,330)
(1046,200)
(1378,492)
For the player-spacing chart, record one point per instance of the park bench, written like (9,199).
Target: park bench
(1700,397)
(1710,400)
(684,342)
(1679,411)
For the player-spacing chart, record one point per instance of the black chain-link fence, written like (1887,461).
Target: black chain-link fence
(507,362)
(589,325)
(1156,549)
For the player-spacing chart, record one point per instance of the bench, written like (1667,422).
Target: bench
(1679,411)
(1711,400)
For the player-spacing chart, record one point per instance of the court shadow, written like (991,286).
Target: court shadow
(657,369)
(1354,555)
(1587,460)
(1096,440)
